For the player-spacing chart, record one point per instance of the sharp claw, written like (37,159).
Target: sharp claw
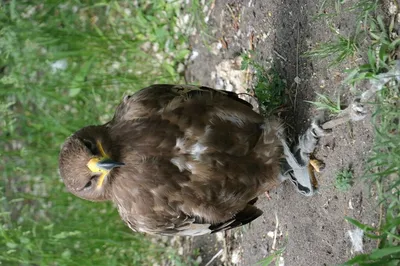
(317,165)
(314,181)
(297,166)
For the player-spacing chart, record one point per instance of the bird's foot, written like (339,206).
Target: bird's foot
(296,167)
(355,112)
(308,142)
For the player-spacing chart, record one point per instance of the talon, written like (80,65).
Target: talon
(313,179)
(317,165)
(298,167)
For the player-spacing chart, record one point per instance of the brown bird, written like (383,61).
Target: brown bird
(183,160)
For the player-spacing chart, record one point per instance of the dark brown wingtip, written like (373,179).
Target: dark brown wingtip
(243,217)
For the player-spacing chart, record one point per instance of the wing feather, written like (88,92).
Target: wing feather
(194,157)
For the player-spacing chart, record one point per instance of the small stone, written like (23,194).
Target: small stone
(322,84)
(181,68)
(180,251)
(350,205)
(220,236)
(216,47)
(194,55)
(155,47)
(127,11)
(281,261)
(59,65)
(392,8)
(199,260)
(235,256)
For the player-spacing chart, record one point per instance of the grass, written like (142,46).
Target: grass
(274,257)
(269,87)
(384,163)
(323,102)
(64,65)
(343,48)
(344,180)
(384,168)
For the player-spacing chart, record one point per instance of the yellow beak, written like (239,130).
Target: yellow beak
(102,164)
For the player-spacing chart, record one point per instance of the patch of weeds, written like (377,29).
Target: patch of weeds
(177,260)
(65,65)
(342,48)
(383,173)
(333,8)
(381,52)
(384,169)
(325,103)
(384,163)
(388,250)
(196,252)
(274,257)
(344,180)
(363,7)
(269,87)
(199,15)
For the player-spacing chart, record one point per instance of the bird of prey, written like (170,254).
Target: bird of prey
(184,160)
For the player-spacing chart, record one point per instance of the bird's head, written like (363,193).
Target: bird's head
(87,162)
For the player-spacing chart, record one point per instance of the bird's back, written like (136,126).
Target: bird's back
(196,155)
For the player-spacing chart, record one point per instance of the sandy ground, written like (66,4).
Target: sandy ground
(312,229)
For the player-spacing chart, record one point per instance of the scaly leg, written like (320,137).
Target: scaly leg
(295,166)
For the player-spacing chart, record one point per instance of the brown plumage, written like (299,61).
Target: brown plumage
(182,160)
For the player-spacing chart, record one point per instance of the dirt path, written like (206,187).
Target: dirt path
(313,229)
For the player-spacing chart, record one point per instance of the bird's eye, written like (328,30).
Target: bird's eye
(88,185)
(91,146)
(90,182)
(127,97)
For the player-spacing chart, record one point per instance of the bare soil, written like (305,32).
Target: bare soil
(312,229)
